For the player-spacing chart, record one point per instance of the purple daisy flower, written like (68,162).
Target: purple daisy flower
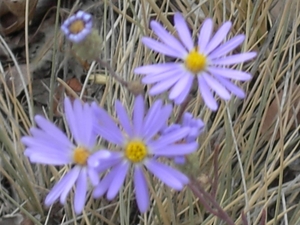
(196,127)
(78,26)
(205,60)
(141,146)
(49,145)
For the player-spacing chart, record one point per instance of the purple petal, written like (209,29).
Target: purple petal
(216,86)
(155,121)
(51,130)
(138,115)
(93,176)
(161,48)
(71,118)
(123,118)
(227,46)
(66,189)
(183,31)
(184,93)
(177,149)
(184,83)
(79,125)
(205,34)
(206,94)
(218,37)
(118,180)
(106,128)
(95,159)
(175,70)
(80,192)
(167,175)
(231,87)
(49,147)
(113,160)
(234,59)
(141,189)
(167,38)
(170,138)
(230,73)
(159,68)
(165,84)
(44,139)
(57,190)
(104,184)
(46,158)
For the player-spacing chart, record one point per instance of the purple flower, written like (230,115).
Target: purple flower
(49,145)
(78,26)
(196,127)
(141,147)
(205,60)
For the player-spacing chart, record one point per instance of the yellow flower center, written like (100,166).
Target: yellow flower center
(77,26)
(136,151)
(81,155)
(195,61)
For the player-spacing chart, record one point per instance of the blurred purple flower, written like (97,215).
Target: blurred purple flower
(49,145)
(196,127)
(141,147)
(205,60)
(78,26)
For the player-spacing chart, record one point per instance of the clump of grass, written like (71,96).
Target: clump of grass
(252,178)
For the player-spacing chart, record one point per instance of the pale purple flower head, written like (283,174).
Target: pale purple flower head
(196,127)
(141,147)
(204,61)
(49,145)
(78,26)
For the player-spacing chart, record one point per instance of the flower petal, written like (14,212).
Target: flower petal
(175,70)
(177,149)
(106,127)
(141,189)
(227,47)
(166,174)
(234,59)
(161,48)
(123,118)
(159,68)
(206,94)
(184,83)
(170,138)
(230,73)
(218,37)
(205,34)
(216,86)
(118,180)
(231,87)
(138,115)
(167,38)
(51,130)
(183,31)
(80,192)
(155,121)
(165,84)
(46,157)
(74,173)
(71,118)
(57,190)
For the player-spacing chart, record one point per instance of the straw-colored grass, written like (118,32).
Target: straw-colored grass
(257,179)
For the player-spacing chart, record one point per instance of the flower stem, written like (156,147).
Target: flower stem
(112,72)
(209,202)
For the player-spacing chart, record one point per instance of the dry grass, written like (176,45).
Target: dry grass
(257,165)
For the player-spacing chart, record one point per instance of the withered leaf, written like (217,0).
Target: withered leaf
(13,16)
(274,109)
(14,80)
